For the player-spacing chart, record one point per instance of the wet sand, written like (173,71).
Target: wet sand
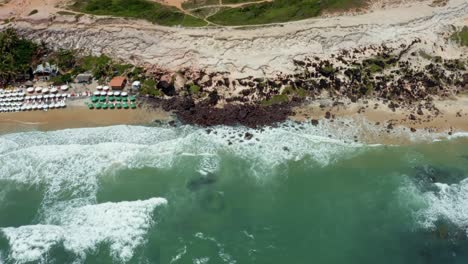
(77,117)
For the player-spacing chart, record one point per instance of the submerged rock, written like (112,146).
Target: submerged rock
(198,183)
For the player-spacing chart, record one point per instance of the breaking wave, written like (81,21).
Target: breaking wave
(448,202)
(122,225)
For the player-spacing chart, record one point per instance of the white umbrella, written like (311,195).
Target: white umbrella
(105,88)
(54,90)
(124,93)
(33,97)
(64,87)
(38,89)
(99,87)
(30,90)
(97,93)
(110,93)
(45,90)
(116,93)
(103,93)
(46,96)
(64,95)
(39,97)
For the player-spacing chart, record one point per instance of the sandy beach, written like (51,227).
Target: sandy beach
(77,116)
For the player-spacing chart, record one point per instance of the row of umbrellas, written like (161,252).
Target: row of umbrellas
(17,108)
(47,90)
(112,106)
(112,98)
(10,94)
(33,97)
(110,93)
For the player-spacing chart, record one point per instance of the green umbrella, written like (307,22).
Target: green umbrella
(102,99)
(125,105)
(90,106)
(133,105)
(111,98)
(98,106)
(132,98)
(94,99)
(118,105)
(111,106)
(118,99)
(105,106)
(124,99)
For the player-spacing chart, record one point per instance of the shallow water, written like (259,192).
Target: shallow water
(291,194)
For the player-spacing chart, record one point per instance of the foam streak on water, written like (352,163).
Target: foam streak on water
(122,225)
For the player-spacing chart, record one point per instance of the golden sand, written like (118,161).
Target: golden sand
(77,117)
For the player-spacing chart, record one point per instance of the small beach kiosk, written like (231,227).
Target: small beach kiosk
(118,83)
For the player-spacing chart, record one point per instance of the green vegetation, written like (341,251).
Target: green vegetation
(66,13)
(378,63)
(194,89)
(280,11)
(461,37)
(142,9)
(149,87)
(276,99)
(16,55)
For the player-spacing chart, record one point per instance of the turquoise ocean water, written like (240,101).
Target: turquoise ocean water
(289,194)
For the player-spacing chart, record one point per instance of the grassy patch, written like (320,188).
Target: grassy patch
(66,13)
(461,37)
(276,99)
(141,9)
(281,11)
(149,87)
(194,89)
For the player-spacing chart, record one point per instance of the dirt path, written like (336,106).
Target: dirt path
(229,5)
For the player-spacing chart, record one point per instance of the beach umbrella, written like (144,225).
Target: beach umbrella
(64,95)
(94,99)
(110,93)
(97,93)
(111,106)
(54,90)
(111,98)
(98,106)
(103,93)
(105,88)
(105,106)
(133,106)
(102,99)
(125,105)
(64,87)
(90,106)
(118,105)
(45,90)
(99,87)
(30,90)
(132,98)
(118,99)
(63,105)
(38,89)
(46,96)
(124,94)
(116,93)
(39,97)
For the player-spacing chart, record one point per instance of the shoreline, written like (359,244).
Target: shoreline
(371,124)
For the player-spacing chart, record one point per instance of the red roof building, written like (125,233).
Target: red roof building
(118,83)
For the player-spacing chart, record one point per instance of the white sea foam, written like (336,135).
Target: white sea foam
(450,202)
(122,225)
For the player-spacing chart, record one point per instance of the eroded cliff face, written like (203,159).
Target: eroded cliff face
(256,51)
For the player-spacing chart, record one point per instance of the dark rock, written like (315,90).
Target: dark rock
(248,136)
(327,115)
(314,122)
(197,183)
